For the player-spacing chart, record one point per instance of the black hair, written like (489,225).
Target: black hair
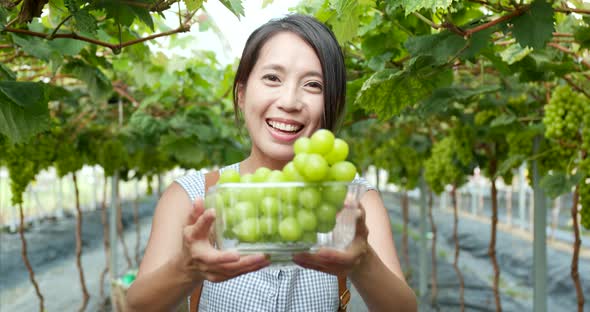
(326,47)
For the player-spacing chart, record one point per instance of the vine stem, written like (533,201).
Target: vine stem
(568,51)
(577,242)
(21,232)
(457,249)
(85,295)
(183,28)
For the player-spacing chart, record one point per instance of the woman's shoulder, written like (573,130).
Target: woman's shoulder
(193,183)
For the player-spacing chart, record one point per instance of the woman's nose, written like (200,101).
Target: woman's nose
(290,99)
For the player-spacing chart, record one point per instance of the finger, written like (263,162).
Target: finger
(211,256)
(244,265)
(196,211)
(201,228)
(317,266)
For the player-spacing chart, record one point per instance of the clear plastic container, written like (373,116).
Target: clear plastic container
(280,219)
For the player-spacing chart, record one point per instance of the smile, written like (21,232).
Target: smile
(284,127)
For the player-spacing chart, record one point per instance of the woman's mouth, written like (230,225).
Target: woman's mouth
(289,128)
(284,131)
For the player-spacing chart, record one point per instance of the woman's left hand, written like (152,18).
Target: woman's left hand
(338,262)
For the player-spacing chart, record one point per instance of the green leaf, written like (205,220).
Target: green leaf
(143,14)
(582,36)
(441,46)
(389,91)
(514,53)
(192,5)
(186,150)
(99,86)
(417,5)
(23,109)
(6,73)
(535,26)
(235,6)
(66,46)
(37,47)
(443,97)
(502,120)
(509,164)
(121,13)
(558,183)
(85,22)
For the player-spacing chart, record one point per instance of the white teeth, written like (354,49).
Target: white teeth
(283,126)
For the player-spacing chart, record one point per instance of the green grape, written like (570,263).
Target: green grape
(289,194)
(322,142)
(229,176)
(307,220)
(248,230)
(291,174)
(310,197)
(335,194)
(269,206)
(342,171)
(287,210)
(326,213)
(338,153)
(300,162)
(302,146)
(290,230)
(326,227)
(310,237)
(245,209)
(261,174)
(316,168)
(268,226)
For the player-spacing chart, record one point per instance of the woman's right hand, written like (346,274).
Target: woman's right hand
(201,260)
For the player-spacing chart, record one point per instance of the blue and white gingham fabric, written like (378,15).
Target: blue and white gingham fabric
(286,288)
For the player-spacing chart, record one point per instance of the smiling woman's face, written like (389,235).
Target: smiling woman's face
(283,98)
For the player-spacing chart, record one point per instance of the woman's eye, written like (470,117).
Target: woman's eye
(272,78)
(315,85)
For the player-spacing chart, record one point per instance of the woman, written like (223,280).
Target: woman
(290,82)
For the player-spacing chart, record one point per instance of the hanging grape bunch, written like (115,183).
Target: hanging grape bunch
(282,211)
(567,120)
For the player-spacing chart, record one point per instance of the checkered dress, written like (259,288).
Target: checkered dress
(283,288)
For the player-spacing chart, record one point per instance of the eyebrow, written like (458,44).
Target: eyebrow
(280,68)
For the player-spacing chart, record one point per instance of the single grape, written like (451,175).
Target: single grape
(302,146)
(248,230)
(338,153)
(326,213)
(245,209)
(269,206)
(307,220)
(316,168)
(290,230)
(322,142)
(229,176)
(342,171)
(310,197)
(291,174)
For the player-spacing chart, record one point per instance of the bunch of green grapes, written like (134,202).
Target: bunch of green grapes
(25,160)
(462,140)
(276,212)
(564,115)
(68,160)
(112,156)
(441,169)
(519,144)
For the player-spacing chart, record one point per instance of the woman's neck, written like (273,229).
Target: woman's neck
(255,161)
